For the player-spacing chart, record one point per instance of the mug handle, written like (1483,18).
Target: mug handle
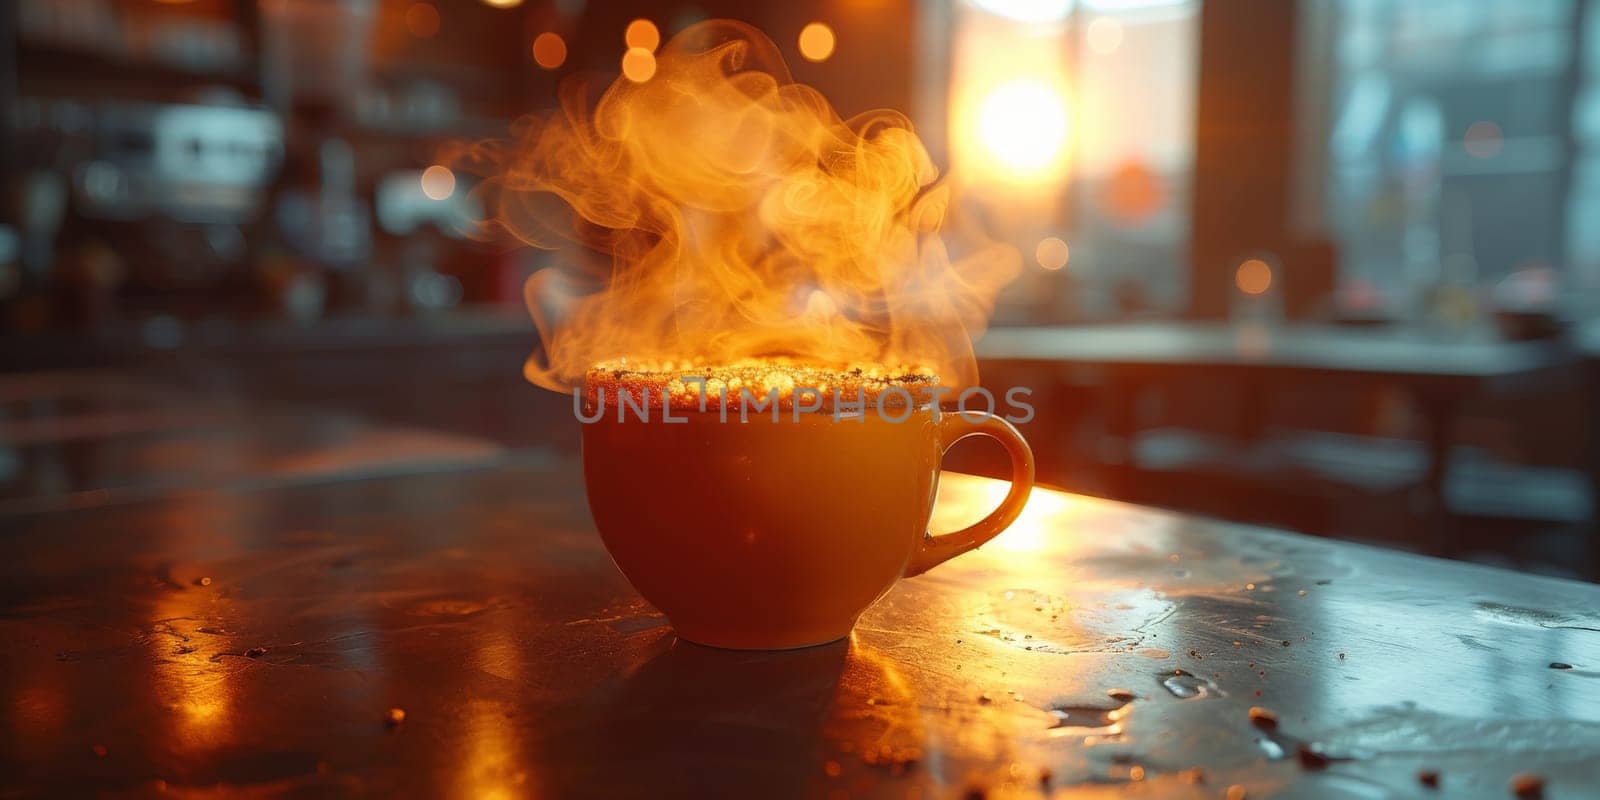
(953,428)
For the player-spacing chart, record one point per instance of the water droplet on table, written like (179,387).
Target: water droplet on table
(1185,685)
(1084,718)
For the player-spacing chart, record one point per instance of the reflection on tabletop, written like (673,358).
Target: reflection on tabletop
(259,639)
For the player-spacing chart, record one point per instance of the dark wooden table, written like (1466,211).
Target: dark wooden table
(1440,371)
(89,437)
(227,640)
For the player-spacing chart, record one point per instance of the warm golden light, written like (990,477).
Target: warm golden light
(816,42)
(1051,253)
(438,182)
(490,751)
(735,215)
(492,769)
(1010,105)
(965,499)
(503,3)
(422,19)
(638,64)
(1254,276)
(198,687)
(549,50)
(1105,35)
(1022,125)
(642,33)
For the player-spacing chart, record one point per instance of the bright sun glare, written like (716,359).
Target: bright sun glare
(1022,125)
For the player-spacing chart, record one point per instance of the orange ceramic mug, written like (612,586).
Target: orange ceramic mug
(772,534)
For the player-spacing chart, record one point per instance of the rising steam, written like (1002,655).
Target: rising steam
(725,213)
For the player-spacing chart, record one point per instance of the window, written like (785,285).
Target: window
(1450,148)
(1071,125)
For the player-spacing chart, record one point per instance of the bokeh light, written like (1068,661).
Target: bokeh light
(642,33)
(1052,253)
(422,19)
(1253,276)
(503,3)
(816,42)
(1105,35)
(638,64)
(1022,125)
(438,182)
(1483,140)
(1133,193)
(549,50)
